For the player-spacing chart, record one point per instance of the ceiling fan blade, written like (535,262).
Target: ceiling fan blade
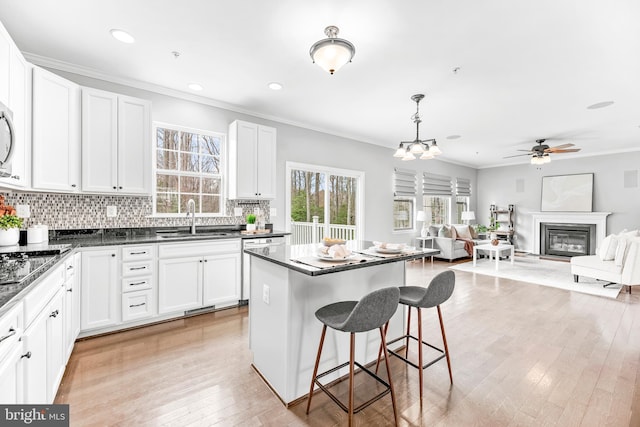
(570,150)
(562,146)
(529,151)
(517,155)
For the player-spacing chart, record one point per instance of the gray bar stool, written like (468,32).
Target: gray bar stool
(439,290)
(373,311)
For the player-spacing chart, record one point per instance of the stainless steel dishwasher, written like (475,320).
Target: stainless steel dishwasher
(271,244)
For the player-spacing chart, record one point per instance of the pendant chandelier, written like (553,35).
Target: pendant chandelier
(408,150)
(332,53)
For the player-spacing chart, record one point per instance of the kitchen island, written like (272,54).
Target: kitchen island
(288,285)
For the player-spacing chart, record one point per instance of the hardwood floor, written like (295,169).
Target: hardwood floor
(522,355)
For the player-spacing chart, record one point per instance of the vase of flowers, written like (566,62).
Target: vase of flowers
(10,230)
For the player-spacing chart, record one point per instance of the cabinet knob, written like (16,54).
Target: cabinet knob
(115,188)
(200,260)
(70,290)
(27,355)
(54,313)
(73,185)
(113,255)
(120,188)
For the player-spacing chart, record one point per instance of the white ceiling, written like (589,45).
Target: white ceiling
(527,69)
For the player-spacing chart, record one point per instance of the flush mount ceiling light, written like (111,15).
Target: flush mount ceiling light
(332,53)
(602,104)
(275,86)
(408,149)
(122,36)
(195,86)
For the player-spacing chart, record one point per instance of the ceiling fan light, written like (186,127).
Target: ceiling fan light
(332,53)
(399,152)
(416,148)
(546,159)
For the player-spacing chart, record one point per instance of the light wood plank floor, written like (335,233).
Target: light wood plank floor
(522,355)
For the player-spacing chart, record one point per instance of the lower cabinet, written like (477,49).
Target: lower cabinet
(196,275)
(35,360)
(100,290)
(71,303)
(56,357)
(11,377)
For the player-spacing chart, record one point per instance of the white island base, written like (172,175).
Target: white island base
(284,332)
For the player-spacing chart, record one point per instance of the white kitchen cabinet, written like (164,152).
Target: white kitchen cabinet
(252,161)
(5,49)
(56,133)
(138,283)
(56,357)
(72,303)
(179,284)
(100,285)
(35,360)
(196,275)
(221,279)
(12,376)
(138,305)
(116,143)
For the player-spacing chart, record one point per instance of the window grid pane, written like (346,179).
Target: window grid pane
(188,166)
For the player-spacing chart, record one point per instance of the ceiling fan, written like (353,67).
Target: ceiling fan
(540,153)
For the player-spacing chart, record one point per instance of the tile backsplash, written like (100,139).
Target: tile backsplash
(74,211)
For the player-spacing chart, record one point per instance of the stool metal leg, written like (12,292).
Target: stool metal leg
(315,369)
(351,379)
(383,335)
(406,349)
(421,369)
(382,343)
(446,348)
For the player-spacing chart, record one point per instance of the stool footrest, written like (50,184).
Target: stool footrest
(361,406)
(403,337)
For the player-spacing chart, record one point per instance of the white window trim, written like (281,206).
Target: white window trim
(359,175)
(223,170)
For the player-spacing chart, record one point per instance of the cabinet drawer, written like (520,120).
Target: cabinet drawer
(134,253)
(175,250)
(40,296)
(138,305)
(69,268)
(139,268)
(10,330)
(136,283)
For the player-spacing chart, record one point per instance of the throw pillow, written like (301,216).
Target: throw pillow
(621,252)
(474,233)
(463,231)
(433,230)
(633,233)
(607,249)
(444,231)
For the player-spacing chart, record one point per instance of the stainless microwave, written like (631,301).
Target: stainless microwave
(7,140)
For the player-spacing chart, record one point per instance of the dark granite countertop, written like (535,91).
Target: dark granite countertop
(11,294)
(294,257)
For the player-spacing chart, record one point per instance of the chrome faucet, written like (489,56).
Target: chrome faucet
(191,209)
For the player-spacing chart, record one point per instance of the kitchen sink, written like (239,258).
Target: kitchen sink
(177,234)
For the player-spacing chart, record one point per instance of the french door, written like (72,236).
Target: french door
(323,202)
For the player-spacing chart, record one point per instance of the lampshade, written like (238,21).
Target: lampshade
(421,216)
(399,152)
(468,215)
(332,53)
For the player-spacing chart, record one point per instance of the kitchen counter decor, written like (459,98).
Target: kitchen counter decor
(9,225)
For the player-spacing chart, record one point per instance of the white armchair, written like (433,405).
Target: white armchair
(624,269)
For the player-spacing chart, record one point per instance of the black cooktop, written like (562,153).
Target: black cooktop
(16,267)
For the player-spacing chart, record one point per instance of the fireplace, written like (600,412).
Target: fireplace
(581,218)
(567,239)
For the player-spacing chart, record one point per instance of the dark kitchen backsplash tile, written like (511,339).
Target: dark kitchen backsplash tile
(73,211)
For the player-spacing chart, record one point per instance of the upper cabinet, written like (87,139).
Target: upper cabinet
(15,93)
(252,161)
(116,143)
(56,133)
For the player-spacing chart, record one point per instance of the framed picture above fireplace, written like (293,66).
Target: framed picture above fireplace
(567,193)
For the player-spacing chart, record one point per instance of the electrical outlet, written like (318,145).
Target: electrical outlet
(112,211)
(237,211)
(256,211)
(265,294)
(23,211)
(272,212)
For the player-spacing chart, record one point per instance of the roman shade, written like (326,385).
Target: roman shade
(463,187)
(439,185)
(404,183)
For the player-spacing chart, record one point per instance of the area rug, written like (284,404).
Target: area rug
(556,274)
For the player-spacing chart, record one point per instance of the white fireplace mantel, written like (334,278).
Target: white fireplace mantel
(597,218)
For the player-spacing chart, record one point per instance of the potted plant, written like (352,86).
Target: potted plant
(10,229)
(251,222)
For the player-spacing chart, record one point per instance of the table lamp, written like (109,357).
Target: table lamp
(422,217)
(468,216)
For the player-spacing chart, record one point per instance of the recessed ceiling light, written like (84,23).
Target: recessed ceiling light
(122,36)
(600,105)
(454,137)
(195,86)
(275,86)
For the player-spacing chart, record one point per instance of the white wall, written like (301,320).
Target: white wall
(304,146)
(609,193)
